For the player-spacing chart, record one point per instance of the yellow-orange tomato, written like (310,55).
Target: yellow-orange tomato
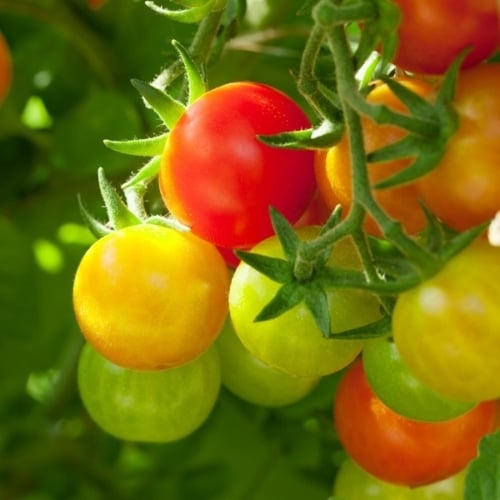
(5,68)
(147,297)
(333,167)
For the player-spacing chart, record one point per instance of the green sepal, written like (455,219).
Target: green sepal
(189,16)
(118,213)
(96,227)
(168,222)
(274,268)
(150,146)
(324,136)
(194,75)
(165,106)
(286,234)
(462,240)
(379,328)
(144,176)
(287,297)
(316,301)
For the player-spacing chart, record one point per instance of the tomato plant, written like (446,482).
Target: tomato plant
(5,68)
(464,188)
(219,179)
(401,450)
(148,406)
(354,483)
(447,328)
(432,34)
(293,342)
(334,172)
(254,381)
(134,299)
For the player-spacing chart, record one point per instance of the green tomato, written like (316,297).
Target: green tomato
(397,387)
(148,406)
(292,342)
(354,483)
(252,380)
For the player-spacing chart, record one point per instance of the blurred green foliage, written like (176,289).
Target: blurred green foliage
(71,89)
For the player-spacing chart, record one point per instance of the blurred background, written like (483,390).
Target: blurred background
(72,61)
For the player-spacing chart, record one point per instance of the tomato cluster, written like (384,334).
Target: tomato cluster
(170,314)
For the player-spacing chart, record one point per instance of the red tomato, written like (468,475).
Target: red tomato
(5,68)
(218,178)
(433,33)
(400,450)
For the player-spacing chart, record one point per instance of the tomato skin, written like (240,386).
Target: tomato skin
(353,483)
(135,291)
(398,388)
(432,34)
(155,406)
(293,342)
(400,450)
(5,68)
(447,329)
(334,172)
(220,180)
(464,189)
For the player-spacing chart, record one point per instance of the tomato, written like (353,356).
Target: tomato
(399,389)
(292,342)
(432,34)
(353,483)
(148,406)
(254,381)
(447,329)
(219,179)
(401,450)
(464,189)
(333,168)
(148,297)
(5,68)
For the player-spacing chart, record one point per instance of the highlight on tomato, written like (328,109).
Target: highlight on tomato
(334,172)
(149,297)
(219,179)
(447,329)
(432,34)
(148,406)
(5,68)
(293,342)
(399,450)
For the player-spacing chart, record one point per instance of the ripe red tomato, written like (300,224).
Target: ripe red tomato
(433,33)
(5,68)
(464,188)
(400,450)
(147,297)
(220,180)
(334,173)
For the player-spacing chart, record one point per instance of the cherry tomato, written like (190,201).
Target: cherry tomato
(447,329)
(464,189)
(292,342)
(254,381)
(401,450)
(148,297)
(333,168)
(432,34)
(148,406)
(5,68)
(354,483)
(219,179)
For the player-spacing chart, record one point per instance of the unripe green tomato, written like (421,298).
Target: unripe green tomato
(393,382)
(148,406)
(353,483)
(254,381)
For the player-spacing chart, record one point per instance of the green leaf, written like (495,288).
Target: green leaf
(150,146)
(317,302)
(483,477)
(287,296)
(165,106)
(277,269)
(286,234)
(194,74)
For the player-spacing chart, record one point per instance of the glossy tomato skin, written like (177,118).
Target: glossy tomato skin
(464,188)
(400,450)
(148,406)
(432,34)
(334,172)
(447,329)
(5,68)
(149,297)
(252,380)
(398,388)
(292,342)
(354,483)
(219,179)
